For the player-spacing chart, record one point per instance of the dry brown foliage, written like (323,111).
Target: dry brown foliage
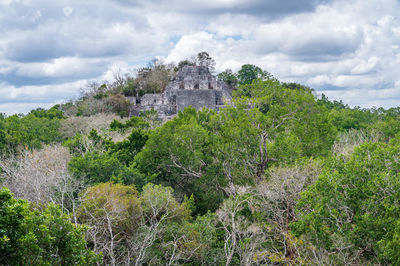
(41,176)
(347,141)
(83,125)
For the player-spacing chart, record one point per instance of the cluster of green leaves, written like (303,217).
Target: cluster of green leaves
(31,235)
(203,152)
(133,122)
(246,75)
(105,160)
(30,131)
(354,205)
(151,227)
(344,118)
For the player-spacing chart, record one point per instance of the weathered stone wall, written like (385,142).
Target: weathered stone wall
(196,99)
(152,99)
(162,109)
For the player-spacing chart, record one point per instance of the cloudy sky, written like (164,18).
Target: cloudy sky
(347,49)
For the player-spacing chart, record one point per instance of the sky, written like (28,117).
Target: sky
(347,49)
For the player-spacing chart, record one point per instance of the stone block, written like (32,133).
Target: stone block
(195,98)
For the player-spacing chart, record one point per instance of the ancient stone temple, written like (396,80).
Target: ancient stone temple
(193,86)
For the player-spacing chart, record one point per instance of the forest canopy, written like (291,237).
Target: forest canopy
(278,177)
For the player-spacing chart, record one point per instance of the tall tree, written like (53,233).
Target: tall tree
(205,60)
(248,73)
(33,236)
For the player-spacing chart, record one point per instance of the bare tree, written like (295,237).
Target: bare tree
(159,206)
(42,176)
(205,60)
(242,236)
(347,141)
(124,224)
(277,197)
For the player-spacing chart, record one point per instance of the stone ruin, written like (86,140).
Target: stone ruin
(193,86)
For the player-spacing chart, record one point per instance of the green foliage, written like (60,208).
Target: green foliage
(130,175)
(118,201)
(205,60)
(195,242)
(295,111)
(160,198)
(133,122)
(127,149)
(154,78)
(183,63)
(3,143)
(81,144)
(100,98)
(53,112)
(228,77)
(354,204)
(95,167)
(178,153)
(30,131)
(295,86)
(331,104)
(34,236)
(388,122)
(103,160)
(202,152)
(345,119)
(130,87)
(236,170)
(248,73)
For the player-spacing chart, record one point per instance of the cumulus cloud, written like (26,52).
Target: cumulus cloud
(23,99)
(349,50)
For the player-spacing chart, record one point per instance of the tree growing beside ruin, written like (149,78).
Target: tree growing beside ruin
(205,60)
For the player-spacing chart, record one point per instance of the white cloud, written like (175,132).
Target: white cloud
(350,46)
(44,93)
(23,107)
(68,11)
(367,98)
(59,67)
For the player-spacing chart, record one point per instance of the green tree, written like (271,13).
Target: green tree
(95,167)
(34,236)
(53,112)
(353,206)
(205,60)
(133,122)
(248,73)
(114,212)
(178,154)
(293,113)
(29,131)
(228,77)
(98,159)
(2,136)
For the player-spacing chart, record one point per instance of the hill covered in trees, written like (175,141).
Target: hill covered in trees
(278,177)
